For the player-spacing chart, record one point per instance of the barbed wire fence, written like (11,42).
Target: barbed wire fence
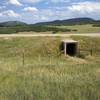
(20,56)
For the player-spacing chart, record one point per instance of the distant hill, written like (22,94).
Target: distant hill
(12,24)
(74,21)
(11,27)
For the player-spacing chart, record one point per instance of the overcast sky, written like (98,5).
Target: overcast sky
(32,11)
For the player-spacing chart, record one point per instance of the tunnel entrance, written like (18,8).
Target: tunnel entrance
(70,47)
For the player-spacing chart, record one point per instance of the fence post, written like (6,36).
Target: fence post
(23,58)
(39,59)
(50,61)
(78,53)
(91,51)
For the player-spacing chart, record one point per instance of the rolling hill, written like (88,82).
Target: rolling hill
(74,21)
(80,25)
(12,24)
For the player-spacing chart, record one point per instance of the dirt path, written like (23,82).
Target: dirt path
(51,35)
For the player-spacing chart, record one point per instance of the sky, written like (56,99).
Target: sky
(33,11)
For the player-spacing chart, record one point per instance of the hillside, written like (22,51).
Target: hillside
(79,25)
(12,24)
(74,21)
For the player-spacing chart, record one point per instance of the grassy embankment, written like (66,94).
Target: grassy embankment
(45,75)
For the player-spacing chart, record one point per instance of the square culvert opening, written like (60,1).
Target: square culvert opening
(70,47)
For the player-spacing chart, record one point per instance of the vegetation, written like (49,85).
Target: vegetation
(79,25)
(89,28)
(69,22)
(53,29)
(12,24)
(28,28)
(96,25)
(45,74)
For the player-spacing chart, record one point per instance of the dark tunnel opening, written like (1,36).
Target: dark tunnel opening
(71,49)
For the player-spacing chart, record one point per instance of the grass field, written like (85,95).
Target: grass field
(46,75)
(51,29)
(82,28)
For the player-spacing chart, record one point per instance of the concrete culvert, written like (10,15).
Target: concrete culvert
(69,47)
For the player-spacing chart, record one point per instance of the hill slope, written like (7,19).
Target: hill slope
(74,21)
(12,23)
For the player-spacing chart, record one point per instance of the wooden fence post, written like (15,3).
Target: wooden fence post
(78,51)
(23,58)
(91,52)
(39,58)
(50,61)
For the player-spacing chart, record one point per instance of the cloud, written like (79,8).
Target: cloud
(38,1)
(44,18)
(30,9)
(85,7)
(60,1)
(14,2)
(2,7)
(31,1)
(9,13)
(31,14)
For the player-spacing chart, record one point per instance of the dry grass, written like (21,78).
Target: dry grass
(45,75)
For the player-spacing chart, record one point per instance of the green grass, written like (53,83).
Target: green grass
(82,28)
(46,75)
(52,29)
(31,28)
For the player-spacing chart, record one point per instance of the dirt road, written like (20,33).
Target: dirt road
(50,35)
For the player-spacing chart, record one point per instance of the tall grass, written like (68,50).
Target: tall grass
(45,75)
(82,28)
